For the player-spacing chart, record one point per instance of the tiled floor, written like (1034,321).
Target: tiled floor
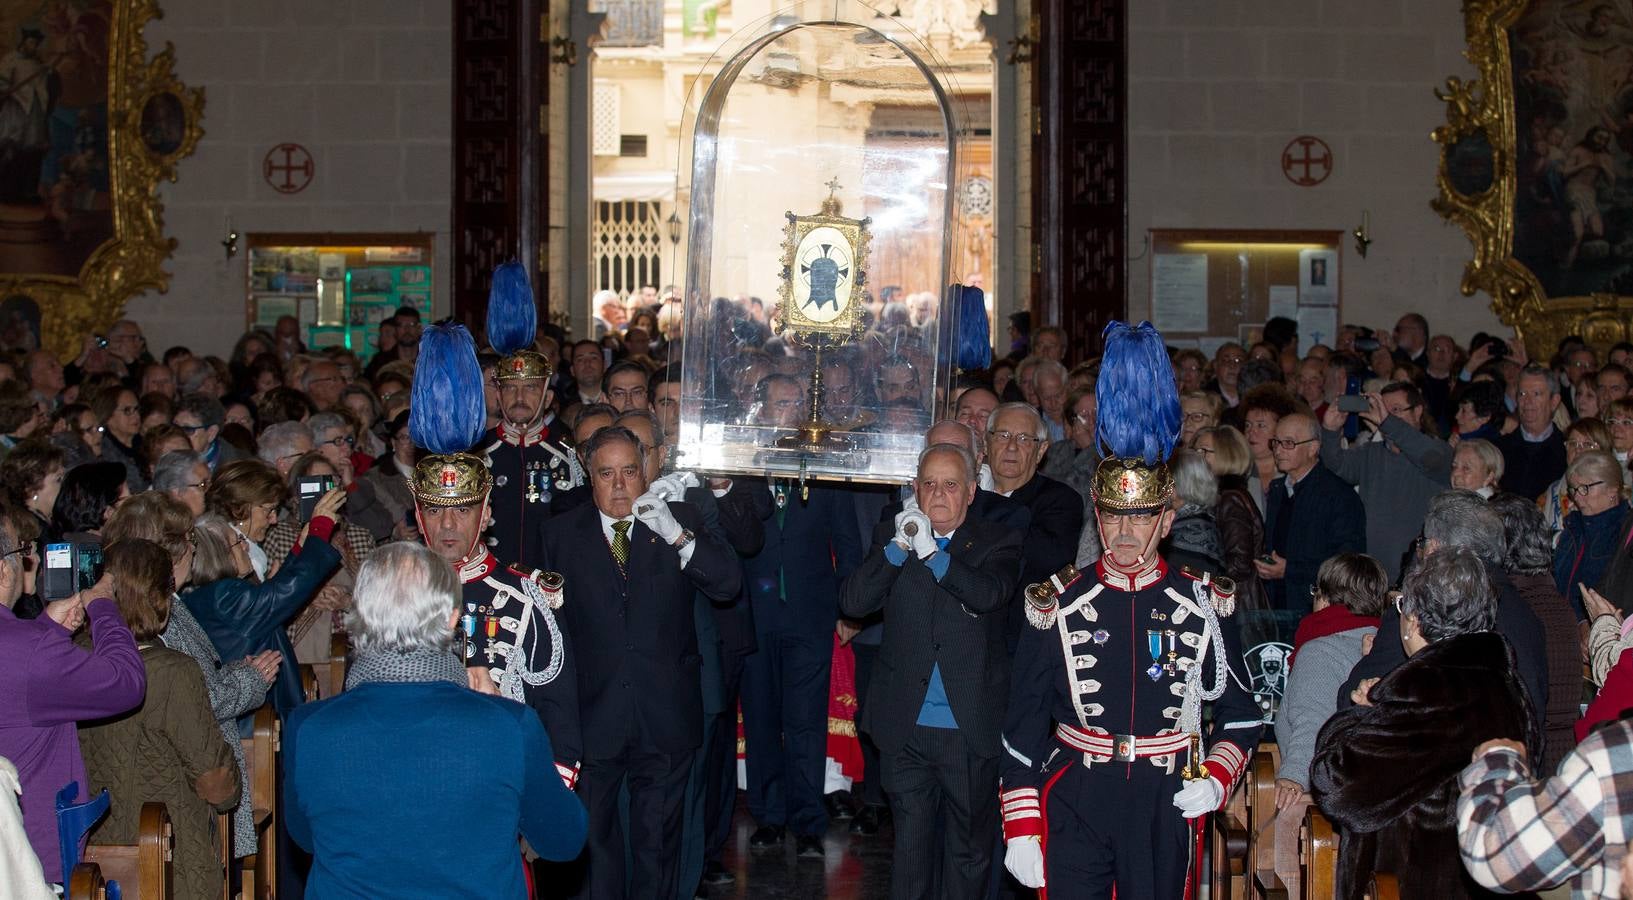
(857,867)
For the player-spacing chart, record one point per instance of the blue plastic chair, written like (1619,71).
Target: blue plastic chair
(74,821)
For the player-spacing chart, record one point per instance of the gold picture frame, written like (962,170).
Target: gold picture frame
(1519,168)
(824,277)
(151,122)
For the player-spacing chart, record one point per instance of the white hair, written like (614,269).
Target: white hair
(403,599)
(282,440)
(964,455)
(1039,429)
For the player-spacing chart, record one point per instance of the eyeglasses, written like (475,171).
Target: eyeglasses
(1205,451)
(126,410)
(197,485)
(1581,490)
(1196,417)
(1286,444)
(1402,410)
(342,440)
(1582,445)
(190,428)
(23,550)
(1619,422)
(1014,437)
(1231,360)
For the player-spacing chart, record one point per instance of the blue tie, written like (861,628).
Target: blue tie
(941,543)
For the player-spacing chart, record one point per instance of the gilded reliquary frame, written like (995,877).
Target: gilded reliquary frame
(96,126)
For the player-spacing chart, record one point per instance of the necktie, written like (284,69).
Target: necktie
(941,543)
(620,543)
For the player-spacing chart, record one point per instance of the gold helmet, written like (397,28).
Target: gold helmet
(524,364)
(1128,485)
(453,479)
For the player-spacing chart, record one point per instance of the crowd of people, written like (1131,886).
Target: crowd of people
(1436,534)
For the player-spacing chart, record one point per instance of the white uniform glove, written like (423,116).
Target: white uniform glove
(1199,797)
(1024,860)
(655,514)
(672,486)
(922,542)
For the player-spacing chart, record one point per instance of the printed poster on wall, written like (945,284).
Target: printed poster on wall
(1179,292)
(1318,278)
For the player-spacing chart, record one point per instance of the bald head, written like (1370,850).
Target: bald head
(952,431)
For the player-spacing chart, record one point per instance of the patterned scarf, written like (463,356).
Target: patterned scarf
(400,666)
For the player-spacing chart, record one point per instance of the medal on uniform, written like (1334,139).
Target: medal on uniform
(1153,644)
(492,624)
(467,627)
(532,482)
(1101,636)
(1172,653)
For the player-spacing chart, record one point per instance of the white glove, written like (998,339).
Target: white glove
(654,513)
(672,486)
(1024,860)
(922,541)
(1199,797)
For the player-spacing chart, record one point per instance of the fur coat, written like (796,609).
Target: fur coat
(1386,774)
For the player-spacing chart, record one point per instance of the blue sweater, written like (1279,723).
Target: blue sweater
(419,790)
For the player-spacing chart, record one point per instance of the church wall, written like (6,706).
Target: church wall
(364,85)
(1217,89)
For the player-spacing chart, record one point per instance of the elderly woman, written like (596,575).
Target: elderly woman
(1619,416)
(1477,465)
(1194,538)
(1350,592)
(1482,410)
(120,416)
(242,614)
(1072,459)
(48,683)
(75,432)
(343,754)
(1595,532)
(1528,560)
(236,688)
(183,476)
(1201,409)
(335,436)
(1582,436)
(312,629)
(1241,524)
(31,478)
(1262,407)
(1385,770)
(390,476)
(169,749)
(365,408)
(89,495)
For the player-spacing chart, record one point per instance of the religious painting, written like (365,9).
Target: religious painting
(55,207)
(89,124)
(1537,165)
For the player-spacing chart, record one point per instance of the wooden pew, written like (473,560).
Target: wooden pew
(338,648)
(1383,887)
(144,870)
(261,768)
(1263,882)
(1318,855)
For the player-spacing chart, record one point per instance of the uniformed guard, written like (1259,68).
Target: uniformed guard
(1109,769)
(529,467)
(513,644)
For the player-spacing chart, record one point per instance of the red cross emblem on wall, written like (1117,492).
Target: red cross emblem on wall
(288,168)
(1307,161)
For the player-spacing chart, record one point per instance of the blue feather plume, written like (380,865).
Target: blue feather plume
(1137,402)
(974,335)
(446,410)
(512,317)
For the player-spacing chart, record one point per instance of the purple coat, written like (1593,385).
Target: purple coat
(47,684)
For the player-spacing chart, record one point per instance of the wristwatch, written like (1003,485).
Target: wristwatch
(684,539)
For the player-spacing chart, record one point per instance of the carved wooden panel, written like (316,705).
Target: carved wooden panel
(1080,162)
(497,92)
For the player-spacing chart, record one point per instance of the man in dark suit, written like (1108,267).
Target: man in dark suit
(1310,515)
(640,693)
(1016,441)
(936,706)
(988,507)
(812,542)
(1534,453)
